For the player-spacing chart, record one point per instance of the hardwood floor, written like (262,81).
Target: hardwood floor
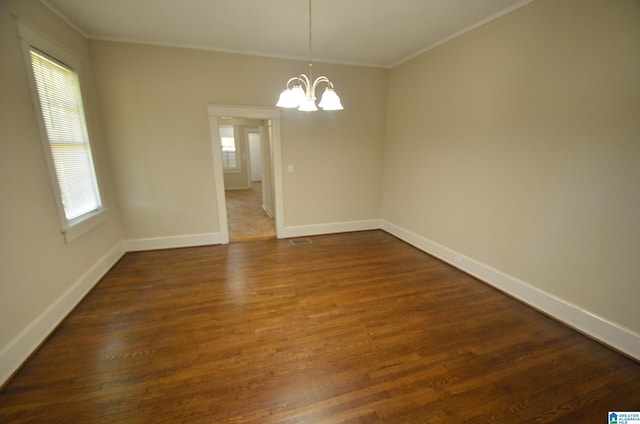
(247,220)
(353,328)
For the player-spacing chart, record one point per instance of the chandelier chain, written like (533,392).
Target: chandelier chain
(310,42)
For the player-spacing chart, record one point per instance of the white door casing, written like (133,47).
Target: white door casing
(256,112)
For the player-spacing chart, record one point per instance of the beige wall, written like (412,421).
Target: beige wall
(518,145)
(154,100)
(36,266)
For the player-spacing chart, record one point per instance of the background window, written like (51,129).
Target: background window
(228,145)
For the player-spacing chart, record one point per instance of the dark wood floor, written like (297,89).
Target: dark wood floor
(354,328)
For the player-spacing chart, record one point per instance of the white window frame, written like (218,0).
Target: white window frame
(32,39)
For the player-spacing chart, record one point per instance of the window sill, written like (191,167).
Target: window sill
(84,224)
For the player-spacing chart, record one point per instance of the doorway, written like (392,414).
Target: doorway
(255,185)
(248,178)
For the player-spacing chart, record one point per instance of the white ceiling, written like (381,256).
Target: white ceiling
(379,33)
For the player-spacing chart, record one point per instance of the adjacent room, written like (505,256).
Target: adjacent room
(444,228)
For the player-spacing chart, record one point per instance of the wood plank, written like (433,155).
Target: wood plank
(353,328)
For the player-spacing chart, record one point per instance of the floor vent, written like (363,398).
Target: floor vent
(300,241)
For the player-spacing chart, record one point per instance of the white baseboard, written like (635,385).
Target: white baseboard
(610,333)
(18,350)
(330,228)
(268,211)
(172,242)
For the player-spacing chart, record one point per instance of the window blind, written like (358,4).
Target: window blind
(228,152)
(63,114)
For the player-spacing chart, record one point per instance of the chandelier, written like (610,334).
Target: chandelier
(300,91)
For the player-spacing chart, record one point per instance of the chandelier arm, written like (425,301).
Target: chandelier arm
(291,80)
(305,80)
(307,84)
(318,81)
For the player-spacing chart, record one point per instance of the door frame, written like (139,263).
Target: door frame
(250,158)
(250,112)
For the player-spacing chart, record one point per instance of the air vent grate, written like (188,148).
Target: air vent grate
(300,241)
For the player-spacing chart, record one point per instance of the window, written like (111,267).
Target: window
(229,150)
(63,115)
(57,96)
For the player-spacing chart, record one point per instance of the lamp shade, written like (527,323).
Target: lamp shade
(309,105)
(292,97)
(286,99)
(330,100)
(298,95)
